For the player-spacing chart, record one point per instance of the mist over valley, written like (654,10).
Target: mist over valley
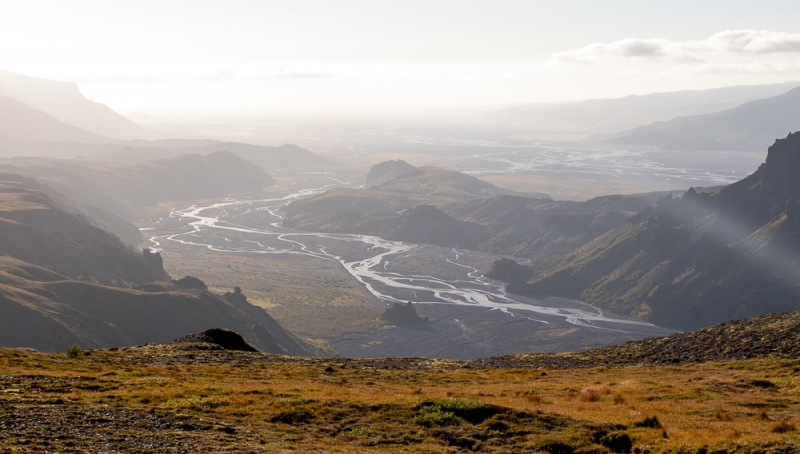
(562,228)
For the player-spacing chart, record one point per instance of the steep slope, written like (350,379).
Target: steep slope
(699,260)
(63,280)
(65,102)
(749,127)
(120,187)
(34,229)
(20,122)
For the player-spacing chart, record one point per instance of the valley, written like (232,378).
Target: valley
(471,316)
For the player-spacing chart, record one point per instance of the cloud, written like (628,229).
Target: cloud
(729,44)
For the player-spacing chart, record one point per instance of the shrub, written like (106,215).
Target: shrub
(650,422)
(435,417)
(590,395)
(292,416)
(617,442)
(556,447)
(782,427)
(197,403)
(469,410)
(74,352)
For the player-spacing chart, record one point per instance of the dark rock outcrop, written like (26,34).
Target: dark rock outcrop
(225,338)
(402,314)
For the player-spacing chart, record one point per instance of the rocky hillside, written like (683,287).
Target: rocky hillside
(773,336)
(694,261)
(35,230)
(118,187)
(64,281)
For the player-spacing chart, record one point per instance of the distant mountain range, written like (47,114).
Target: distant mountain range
(64,281)
(694,261)
(749,127)
(111,191)
(65,102)
(606,116)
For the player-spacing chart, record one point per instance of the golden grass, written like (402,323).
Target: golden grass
(346,409)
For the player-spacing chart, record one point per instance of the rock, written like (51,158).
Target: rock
(402,314)
(225,338)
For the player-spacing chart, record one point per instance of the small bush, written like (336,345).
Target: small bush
(650,422)
(556,447)
(766,384)
(435,417)
(782,427)
(619,399)
(469,410)
(197,403)
(74,352)
(590,395)
(617,442)
(292,416)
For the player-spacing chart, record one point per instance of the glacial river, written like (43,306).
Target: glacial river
(252,225)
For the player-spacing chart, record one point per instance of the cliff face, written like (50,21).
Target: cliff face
(691,262)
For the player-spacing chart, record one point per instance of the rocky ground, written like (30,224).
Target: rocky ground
(730,388)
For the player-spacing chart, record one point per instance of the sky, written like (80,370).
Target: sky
(204,58)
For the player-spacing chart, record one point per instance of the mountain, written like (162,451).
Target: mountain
(695,261)
(749,127)
(447,208)
(282,157)
(387,171)
(20,122)
(65,102)
(63,280)
(604,116)
(119,187)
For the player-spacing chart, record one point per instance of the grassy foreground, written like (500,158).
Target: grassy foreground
(192,399)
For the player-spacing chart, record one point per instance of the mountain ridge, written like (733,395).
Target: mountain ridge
(691,262)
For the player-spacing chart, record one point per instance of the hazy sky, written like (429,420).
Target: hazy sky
(199,58)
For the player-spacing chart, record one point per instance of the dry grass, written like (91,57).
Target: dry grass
(313,406)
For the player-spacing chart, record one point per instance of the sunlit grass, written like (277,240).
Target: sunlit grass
(725,404)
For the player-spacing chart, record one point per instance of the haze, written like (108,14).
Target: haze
(212,59)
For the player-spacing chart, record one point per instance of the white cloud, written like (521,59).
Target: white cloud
(726,45)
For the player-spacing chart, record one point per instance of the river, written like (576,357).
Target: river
(252,225)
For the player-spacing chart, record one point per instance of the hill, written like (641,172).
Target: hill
(694,261)
(447,208)
(282,157)
(387,171)
(63,280)
(65,102)
(749,127)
